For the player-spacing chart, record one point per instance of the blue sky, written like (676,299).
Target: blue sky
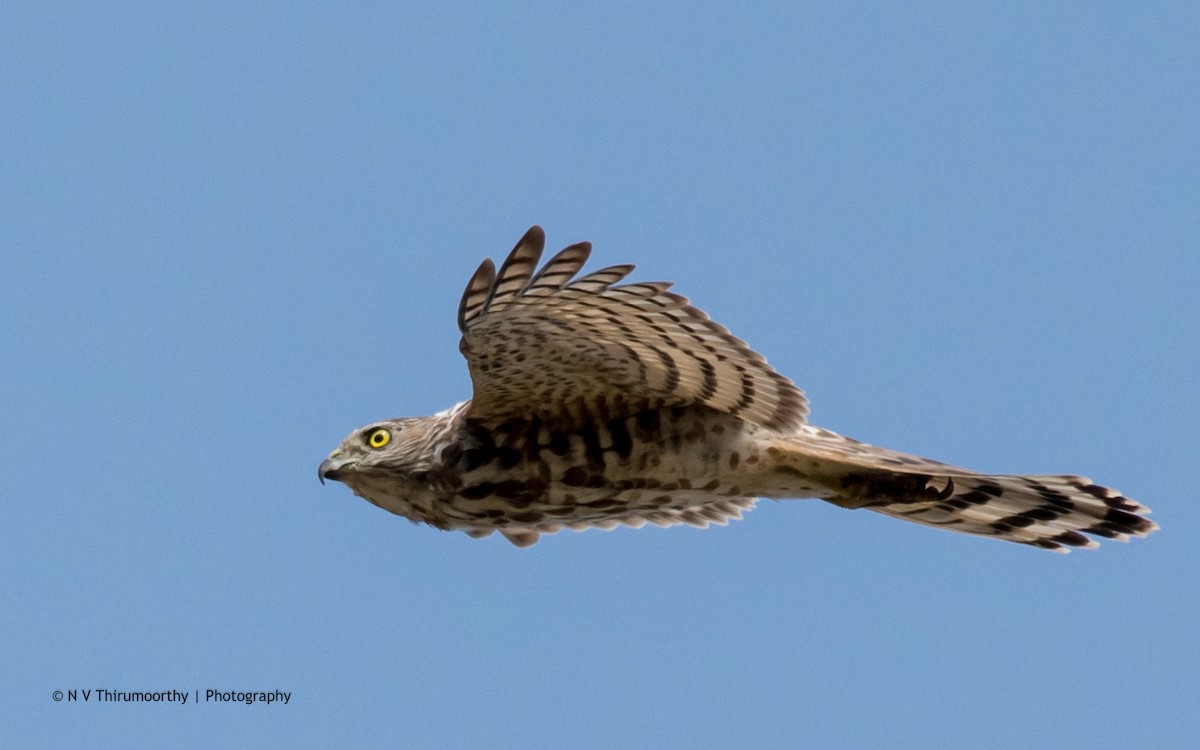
(232,234)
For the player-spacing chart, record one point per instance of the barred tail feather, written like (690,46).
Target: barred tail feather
(1051,512)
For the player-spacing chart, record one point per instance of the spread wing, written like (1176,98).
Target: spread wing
(554,346)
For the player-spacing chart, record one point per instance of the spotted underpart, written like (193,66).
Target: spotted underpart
(528,477)
(598,405)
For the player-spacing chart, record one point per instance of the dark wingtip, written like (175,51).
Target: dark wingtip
(476,294)
(535,235)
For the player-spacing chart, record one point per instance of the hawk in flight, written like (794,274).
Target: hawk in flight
(600,404)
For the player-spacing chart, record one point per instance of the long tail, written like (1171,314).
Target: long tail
(1051,512)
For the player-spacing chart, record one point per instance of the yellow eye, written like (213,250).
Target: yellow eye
(379,438)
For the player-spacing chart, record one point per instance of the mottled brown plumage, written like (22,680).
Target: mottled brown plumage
(597,405)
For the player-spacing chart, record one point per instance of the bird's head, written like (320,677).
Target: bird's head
(394,450)
(394,463)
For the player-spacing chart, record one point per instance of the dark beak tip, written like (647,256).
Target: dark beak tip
(326,470)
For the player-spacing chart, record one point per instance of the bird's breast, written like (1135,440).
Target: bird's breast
(530,472)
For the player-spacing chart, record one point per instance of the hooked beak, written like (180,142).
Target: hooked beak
(333,468)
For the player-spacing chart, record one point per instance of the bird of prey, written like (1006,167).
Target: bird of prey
(598,404)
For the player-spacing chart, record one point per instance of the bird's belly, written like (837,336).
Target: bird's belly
(528,474)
